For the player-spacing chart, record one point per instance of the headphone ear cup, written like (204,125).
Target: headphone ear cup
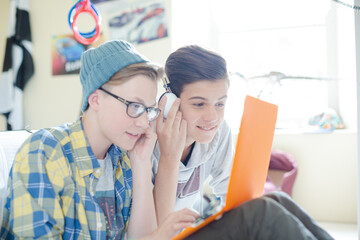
(170,99)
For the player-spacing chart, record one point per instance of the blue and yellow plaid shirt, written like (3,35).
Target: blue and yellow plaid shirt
(52,183)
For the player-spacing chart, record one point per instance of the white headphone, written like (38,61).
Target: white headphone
(170,97)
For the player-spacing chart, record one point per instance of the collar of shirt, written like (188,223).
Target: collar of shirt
(87,163)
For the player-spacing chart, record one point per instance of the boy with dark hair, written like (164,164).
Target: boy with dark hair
(195,143)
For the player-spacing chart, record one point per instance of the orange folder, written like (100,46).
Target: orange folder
(251,159)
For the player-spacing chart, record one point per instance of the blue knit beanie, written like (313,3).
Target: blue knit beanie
(99,64)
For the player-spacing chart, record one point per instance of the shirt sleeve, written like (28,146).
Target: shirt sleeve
(221,169)
(33,209)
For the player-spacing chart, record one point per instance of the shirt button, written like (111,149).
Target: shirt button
(99,224)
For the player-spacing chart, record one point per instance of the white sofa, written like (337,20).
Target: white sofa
(10,141)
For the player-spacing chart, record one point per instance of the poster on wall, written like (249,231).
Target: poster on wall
(66,53)
(139,22)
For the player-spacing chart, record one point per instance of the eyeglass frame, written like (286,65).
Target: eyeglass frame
(127,103)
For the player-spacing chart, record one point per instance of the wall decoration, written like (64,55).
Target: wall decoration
(80,8)
(66,53)
(18,66)
(139,23)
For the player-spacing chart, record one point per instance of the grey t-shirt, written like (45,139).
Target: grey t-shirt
(207,160)
(105,196)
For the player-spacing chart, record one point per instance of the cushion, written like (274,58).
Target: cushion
(10,142)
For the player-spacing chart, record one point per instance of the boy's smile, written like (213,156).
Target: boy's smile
(202,106)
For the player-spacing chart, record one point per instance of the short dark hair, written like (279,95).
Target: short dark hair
(193,63)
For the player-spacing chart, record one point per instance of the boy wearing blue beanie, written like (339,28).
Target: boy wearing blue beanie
(83,180)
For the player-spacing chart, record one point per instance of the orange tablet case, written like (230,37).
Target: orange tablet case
(251,159)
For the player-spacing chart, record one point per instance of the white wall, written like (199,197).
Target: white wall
(4,13)
(346,65)
(326,184)
(357,41)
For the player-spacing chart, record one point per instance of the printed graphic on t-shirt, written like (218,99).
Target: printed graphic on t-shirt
(190,187)
(114,226)
(105,197)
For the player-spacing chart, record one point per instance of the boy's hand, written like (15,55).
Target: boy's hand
(174,223)
(171,132)
(144,146)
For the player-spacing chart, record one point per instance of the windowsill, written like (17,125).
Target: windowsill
(313,131)
(299,131)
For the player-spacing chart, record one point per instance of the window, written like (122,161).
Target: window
(296,38)
(290,37)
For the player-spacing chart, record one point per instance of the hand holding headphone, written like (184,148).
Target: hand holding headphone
(171,128)
(170,97)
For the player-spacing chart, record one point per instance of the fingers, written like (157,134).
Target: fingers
(174,109)
(174,117)
(177,121)
(179,226)
(183,218)
(152,125)
(192,212)
(175,222)
(149,133)
(151,129)
(186,213)
(171,133)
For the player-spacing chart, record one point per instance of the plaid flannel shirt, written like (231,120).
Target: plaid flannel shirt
(52,183)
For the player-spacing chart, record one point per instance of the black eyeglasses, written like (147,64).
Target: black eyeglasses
(135,109)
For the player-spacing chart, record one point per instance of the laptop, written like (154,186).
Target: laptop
(251,159)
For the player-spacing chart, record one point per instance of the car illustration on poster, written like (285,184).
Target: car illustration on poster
(66,53)
(69,48)
(142,25)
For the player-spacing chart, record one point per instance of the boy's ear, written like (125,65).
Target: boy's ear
(93,100)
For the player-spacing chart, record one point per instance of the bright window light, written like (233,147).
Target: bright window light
(290,37)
